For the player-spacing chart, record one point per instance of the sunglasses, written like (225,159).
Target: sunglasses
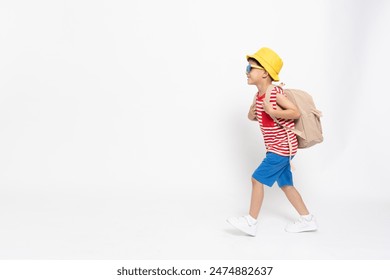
(250,67)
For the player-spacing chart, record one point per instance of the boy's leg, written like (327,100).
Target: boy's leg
(285,181)
(256,198)
(295,199)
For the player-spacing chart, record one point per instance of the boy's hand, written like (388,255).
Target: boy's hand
(252,113)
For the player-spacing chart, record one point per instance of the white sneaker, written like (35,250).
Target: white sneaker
(243,224)
(302,225)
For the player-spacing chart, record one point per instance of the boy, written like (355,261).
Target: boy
(264,67)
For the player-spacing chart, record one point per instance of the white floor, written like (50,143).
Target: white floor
(88,222)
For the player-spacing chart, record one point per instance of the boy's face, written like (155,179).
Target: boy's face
(255,75)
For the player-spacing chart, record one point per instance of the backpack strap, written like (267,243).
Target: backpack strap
(267,98)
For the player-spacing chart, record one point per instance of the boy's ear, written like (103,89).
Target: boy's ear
(265,75)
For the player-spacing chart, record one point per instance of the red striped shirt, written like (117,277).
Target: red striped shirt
(275,137)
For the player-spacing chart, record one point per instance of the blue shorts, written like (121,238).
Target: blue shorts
(274,168)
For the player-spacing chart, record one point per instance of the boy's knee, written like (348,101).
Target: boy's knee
(287,189)
(255,182)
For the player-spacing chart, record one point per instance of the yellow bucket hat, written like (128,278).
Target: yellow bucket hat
(270,60)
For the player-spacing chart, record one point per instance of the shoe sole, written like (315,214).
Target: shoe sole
(306,230)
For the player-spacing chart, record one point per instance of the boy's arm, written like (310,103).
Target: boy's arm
(289,110)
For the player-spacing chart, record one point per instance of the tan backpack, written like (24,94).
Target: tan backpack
(308,127)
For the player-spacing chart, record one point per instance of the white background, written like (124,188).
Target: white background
(123,130)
